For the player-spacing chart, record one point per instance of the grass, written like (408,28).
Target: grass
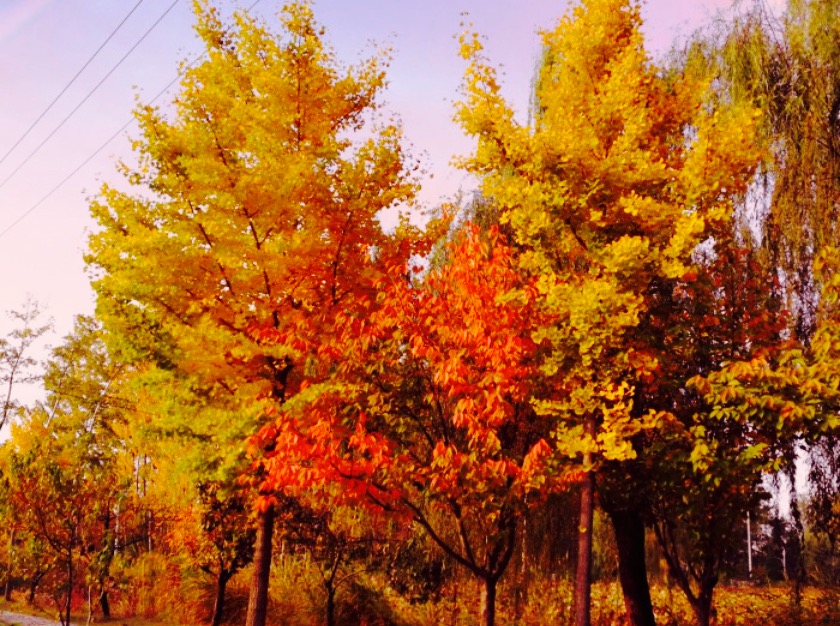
(548,603)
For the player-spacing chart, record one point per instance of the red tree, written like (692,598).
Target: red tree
(430,415)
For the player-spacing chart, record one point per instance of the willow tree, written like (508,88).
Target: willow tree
(253,206)
(610,190)
(789,67)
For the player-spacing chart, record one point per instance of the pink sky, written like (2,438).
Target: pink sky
(43,43)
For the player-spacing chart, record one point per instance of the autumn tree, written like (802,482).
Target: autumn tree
(82,383)
(610,189)
(788,66)
(796,392)
(702,474)
(51,502)
(428,417)
(254,208)
(56,487)
(218,534)
(60,469)
(341,541)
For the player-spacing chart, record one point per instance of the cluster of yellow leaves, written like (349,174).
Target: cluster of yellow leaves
(256,210)
(611,187)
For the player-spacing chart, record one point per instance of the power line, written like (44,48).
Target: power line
(67,86)
(49,194)
(87,97)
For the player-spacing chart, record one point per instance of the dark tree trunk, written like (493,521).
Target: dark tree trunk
(105,604)
(68,599)
(106,557)
(632,570)
(488,602)
(520,593)
(258,598)
(7,588)
(330,606)
(33,586)
(702,607)
(219,604)
(705,577)
(583,575)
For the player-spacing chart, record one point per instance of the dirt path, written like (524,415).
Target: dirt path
(20,619)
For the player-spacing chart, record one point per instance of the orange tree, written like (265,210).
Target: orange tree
(254,206)
(610,189)
(429,417)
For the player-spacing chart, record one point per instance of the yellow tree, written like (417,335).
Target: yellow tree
(618,179)
(254,206)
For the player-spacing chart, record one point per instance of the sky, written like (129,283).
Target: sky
(44,43)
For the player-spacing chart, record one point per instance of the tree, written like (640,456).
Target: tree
(788,66)
(428,417)
(798,391)
(256,209)
(53,492)
(218,535)
(335,538)
(82,383)
(15,362)
(61,468)
(619,178)
(706,471)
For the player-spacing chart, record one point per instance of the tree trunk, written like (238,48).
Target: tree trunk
(105,558)
(258,598)
(33,586)
(330,606)
(488,602)
(219,604)
(702,608)
(632,570)
(583,575)
(7,589)
(105,604)
(520,593)
(68,600)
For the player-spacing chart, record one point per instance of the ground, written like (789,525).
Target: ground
(19,619)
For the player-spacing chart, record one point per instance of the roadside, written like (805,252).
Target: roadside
(21,619)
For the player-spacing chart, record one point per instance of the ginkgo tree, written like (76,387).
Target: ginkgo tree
(621,175)
(253,207)
(428,416)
